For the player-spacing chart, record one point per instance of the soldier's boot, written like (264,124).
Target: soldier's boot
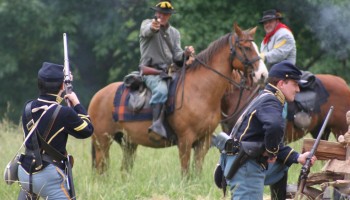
(279,189)
(157,130)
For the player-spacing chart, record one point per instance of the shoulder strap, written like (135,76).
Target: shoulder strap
(28,113)
(56,155)
(52,120)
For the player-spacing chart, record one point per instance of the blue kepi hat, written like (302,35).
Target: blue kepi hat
(286,70)
(50,72)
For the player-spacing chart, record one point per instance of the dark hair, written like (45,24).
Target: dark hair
(274,80)
(49,87)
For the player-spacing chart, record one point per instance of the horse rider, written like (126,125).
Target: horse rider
(42,169)
(160,47)
(262,127)
(278,43)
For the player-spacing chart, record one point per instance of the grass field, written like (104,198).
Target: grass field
(156,174)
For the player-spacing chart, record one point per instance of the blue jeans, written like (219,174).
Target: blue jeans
(248,183)
(49,183)
(158,87)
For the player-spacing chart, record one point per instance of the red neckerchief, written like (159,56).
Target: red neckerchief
(269,35)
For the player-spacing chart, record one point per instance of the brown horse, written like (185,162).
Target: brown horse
(197,112)
(339,97)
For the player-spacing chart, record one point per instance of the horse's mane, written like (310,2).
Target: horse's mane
(206,54)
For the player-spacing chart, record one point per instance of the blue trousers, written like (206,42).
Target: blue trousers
(158,87)
(49,183)
(248,183)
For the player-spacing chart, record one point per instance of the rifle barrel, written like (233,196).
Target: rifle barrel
(67,75)
(306,167)
(66,60)
(313,150)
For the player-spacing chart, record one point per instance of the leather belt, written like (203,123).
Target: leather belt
(232,148)
(48,159)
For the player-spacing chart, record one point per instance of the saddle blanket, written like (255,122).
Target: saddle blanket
(121,111)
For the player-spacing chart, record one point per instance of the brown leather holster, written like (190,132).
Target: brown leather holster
(146,70)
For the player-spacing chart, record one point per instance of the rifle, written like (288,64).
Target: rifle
(69,164)
(68,89)
(67,74)
(305,170)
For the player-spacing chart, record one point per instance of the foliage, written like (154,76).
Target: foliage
(103,38)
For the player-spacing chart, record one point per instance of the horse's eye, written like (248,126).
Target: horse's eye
(247,48)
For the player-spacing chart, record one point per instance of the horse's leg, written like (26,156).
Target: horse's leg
(201,148)
(325,135)
(185,147)
(101,145)
(129,155)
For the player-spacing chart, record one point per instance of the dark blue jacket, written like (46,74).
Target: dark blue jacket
(69,121)
(263,122)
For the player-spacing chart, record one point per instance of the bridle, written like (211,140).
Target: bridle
(248,64)
(243,59)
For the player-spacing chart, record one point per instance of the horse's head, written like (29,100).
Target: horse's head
(245,55)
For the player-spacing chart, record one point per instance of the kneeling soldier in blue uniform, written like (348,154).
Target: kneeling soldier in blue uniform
(42,169)
(257,156)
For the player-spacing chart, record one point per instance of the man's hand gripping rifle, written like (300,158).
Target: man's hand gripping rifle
(68,87)
(305,170)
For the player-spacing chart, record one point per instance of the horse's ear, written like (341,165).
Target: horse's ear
(252,31)
(237,29)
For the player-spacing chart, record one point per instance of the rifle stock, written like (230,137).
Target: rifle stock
(70,183)
(67,74)
(305,170)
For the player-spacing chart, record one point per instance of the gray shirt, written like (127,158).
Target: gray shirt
(154,48)
(280,47)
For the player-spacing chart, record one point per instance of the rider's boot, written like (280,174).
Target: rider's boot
(157,130)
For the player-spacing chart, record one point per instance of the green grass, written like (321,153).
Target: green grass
(156,173)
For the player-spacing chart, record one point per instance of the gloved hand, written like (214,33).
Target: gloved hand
(189,51)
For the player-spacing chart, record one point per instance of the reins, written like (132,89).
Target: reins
(236,111)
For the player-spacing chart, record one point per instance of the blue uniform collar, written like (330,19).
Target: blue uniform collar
(277,92)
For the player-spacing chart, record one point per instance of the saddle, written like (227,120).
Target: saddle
(131,102)
(139,93)
(308,101)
